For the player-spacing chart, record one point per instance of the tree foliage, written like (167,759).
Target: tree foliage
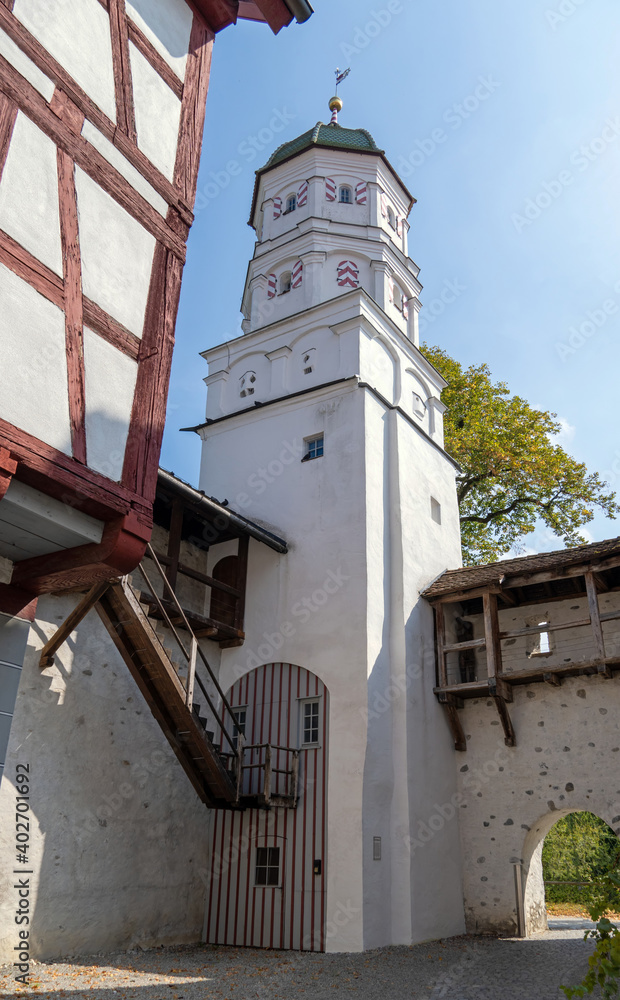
(513,473)
(604,962)
(580,848)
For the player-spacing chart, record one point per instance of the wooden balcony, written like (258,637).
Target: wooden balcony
(537,619)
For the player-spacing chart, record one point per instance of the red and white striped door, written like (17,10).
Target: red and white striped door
(267,881)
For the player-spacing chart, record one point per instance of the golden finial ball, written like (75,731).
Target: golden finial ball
(335,104)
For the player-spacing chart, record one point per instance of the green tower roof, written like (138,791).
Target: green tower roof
(333,136)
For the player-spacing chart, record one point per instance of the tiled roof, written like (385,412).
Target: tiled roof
(479,576)
(332,135)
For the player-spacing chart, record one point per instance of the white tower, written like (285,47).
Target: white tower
(324,422)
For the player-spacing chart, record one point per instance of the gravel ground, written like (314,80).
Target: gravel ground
(464,968)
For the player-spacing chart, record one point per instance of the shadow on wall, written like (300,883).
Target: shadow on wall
(118,838)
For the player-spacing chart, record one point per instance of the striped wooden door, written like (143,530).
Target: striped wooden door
(268,867)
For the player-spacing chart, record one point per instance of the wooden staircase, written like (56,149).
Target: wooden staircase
(152,668)
(192,718)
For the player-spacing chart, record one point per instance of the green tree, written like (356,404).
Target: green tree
(513,473)
(580,848)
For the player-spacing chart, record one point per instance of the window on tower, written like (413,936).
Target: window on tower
(391,217)
(346,195)
(313,448)
(291,204)
(285,282)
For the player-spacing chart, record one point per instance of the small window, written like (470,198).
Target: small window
(346,195)
(285,282)
(246,384)
(538,644)
(419,406)
(240,717)
(314,448)
(391,217)
(291,204)
(435,510)
(310,722)
(267,871)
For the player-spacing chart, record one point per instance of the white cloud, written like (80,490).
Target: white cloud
(566,434)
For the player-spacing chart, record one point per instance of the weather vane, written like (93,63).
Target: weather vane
(335,105)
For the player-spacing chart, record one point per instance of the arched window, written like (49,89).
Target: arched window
(291,204)
(345,195)
(397,296)
(285,282)
(224,606)
(391,217)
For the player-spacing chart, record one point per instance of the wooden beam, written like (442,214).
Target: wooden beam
(597,630)
(8,115)
(456,729)
(562,573)
(491,633)
(74,318)
(156,60)
(71,622)
(440,640)
(174,542)
(510,738)
(553,679)
(193,109)
(507,598)
(466,595)
(455,647)
(601,583)
(242,577)
(123,88)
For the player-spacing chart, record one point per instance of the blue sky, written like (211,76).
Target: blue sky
(504,121)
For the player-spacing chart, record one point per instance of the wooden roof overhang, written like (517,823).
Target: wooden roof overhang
(219,14)
(584,571)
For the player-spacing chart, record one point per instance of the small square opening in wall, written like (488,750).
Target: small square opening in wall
(267,870)
(539,643)
(435,510)
(376,848)
(313,448)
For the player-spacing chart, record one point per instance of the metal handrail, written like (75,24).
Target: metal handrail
(186,654)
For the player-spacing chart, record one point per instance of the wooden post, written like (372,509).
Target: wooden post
(595,620)
(191,672)
(174,542)
(491,634)
(456,729)
(440,641)
(242,576)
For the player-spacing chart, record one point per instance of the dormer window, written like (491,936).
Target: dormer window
(345,195)
(291,204)
(391,217)
(285,282)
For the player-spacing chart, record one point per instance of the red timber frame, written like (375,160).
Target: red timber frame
(126,507)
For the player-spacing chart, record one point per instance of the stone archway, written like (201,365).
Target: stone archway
(534,902)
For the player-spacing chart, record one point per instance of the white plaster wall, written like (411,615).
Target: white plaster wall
(117,254)
(291,616)
(13,54)
(77,34)
(33,352)
(124,167)
(29,193)
(110,385)
(566,759)
(158,113)
(167,24)
(119,837)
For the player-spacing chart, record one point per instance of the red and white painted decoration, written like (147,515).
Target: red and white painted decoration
(361,193)
(302,194)
(405,306)
(399,226)
(272,285)
(383,206)
(348,274)
(330,189)
(277,208)
(291,914)
(297,275)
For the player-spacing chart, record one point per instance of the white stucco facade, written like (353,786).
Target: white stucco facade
(369,524)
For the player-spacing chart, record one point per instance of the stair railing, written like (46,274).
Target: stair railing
(292,773)
(191,657)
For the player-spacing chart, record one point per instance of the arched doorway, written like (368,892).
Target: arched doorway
(565,850)
(267,882)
